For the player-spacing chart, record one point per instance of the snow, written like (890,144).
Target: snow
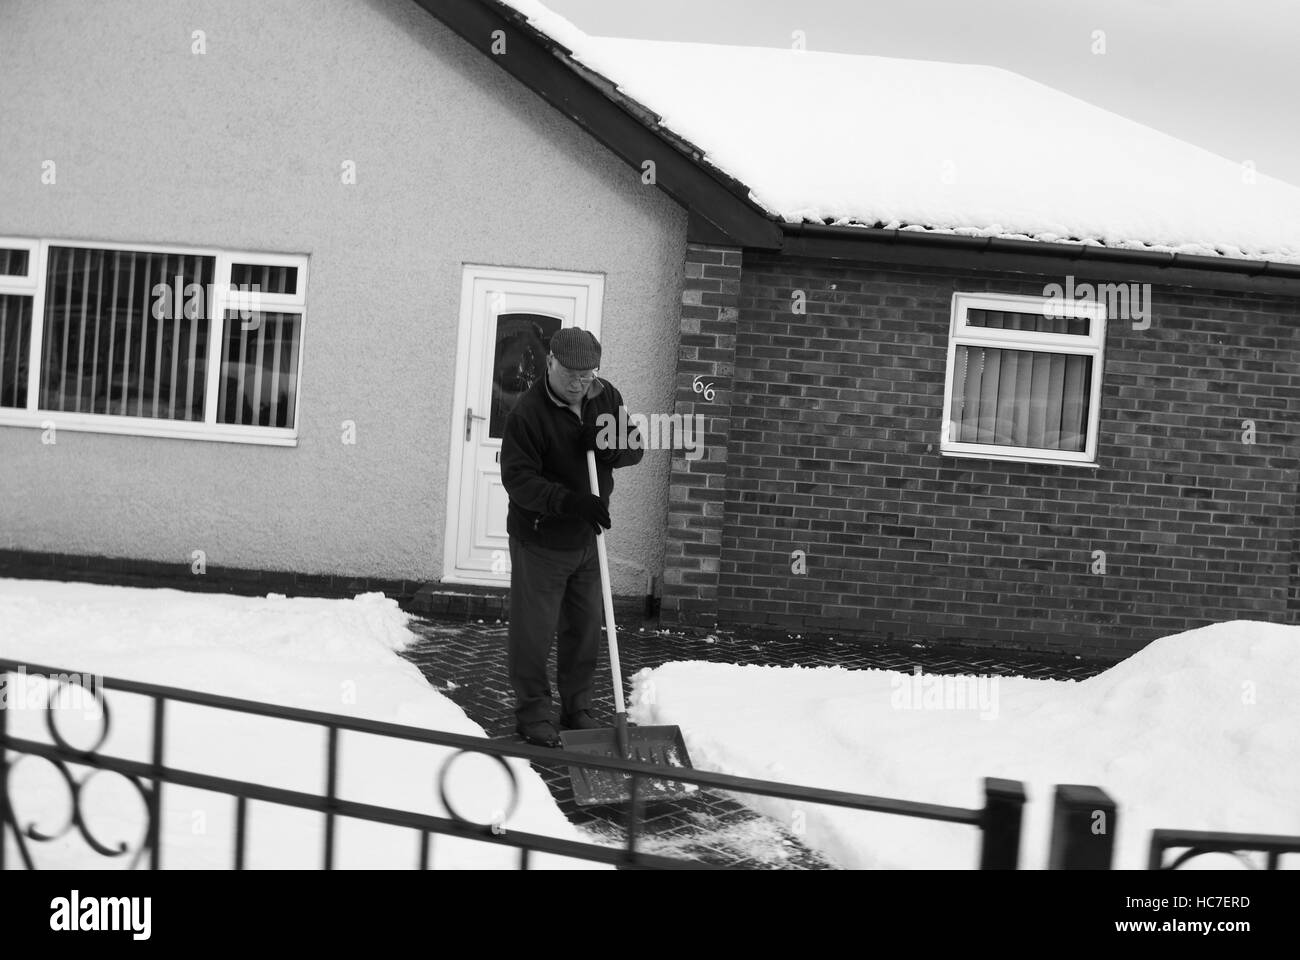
(337,656)
(956,148)
(1195,732)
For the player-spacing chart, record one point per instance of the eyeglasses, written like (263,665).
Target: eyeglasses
(573,378)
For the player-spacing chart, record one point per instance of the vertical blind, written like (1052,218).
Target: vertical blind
(14,262)
(259,353)
(264,277)
(130,334)
(1005,396)
(259,369)
(15,344)
(1031,322)
(1022,398)
(113,345)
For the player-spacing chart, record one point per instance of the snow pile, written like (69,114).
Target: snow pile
(1195,732)
(336,656)
(954,148)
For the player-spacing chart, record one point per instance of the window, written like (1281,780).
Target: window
(17,291)
(158,341)
(1024,378)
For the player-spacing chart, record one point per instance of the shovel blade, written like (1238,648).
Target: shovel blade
(662,746)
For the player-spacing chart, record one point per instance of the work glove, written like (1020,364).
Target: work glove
(590,508)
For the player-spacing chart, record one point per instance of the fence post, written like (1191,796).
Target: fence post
(155,795)
(4,768)
(331,788)
(1004,802)
(1083,828)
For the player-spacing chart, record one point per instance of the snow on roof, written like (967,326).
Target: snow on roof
(955,148)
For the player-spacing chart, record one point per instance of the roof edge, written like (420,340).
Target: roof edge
(939,249)
(620,124)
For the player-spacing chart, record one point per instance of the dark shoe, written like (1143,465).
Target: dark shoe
(581,720)
(539,732)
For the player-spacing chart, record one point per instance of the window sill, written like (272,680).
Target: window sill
(149,427)
(1013,458)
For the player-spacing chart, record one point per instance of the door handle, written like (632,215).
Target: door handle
(470,417)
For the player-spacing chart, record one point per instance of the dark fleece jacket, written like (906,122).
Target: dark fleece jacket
(542,459)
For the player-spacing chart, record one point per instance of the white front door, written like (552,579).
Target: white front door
(507,317)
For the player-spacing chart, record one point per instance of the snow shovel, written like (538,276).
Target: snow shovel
(659,745)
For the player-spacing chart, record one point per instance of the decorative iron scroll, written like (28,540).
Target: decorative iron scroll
(1243,855)
(76,787)
(497,823)
(1198,843)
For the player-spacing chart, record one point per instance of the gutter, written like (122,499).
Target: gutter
(866,237)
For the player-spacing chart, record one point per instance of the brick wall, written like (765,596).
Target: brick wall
(833,449)
(697,490)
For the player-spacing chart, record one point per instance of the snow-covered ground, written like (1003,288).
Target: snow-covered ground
(1198,731)
(337,656)
(1195,732)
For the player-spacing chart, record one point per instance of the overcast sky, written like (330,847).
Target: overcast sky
(1223,74)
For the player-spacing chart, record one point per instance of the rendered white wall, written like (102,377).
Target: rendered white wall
(241,148)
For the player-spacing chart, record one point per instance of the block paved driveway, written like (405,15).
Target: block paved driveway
(466,661)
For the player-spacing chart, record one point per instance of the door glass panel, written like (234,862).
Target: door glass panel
(522,342)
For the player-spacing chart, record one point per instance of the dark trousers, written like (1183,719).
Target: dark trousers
(554,594)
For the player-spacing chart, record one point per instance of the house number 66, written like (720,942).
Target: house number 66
(704,388)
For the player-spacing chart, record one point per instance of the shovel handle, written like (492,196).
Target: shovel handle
(611,635)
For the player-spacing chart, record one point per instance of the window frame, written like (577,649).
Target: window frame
(223,299)
(23,286)
(961,333)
